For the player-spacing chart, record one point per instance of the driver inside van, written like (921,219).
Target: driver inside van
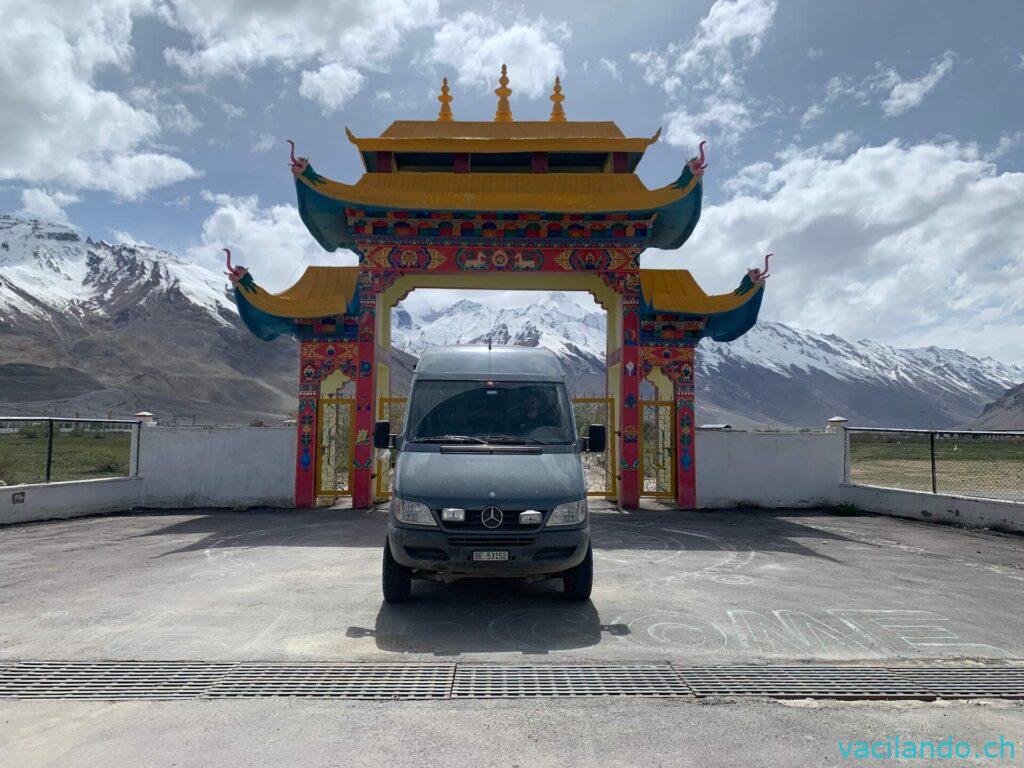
(532,416)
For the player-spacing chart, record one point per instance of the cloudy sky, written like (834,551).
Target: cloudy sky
(876,147)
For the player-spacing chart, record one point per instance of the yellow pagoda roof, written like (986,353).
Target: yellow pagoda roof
(320,292)
(675,290)
(566,192)
(511,136)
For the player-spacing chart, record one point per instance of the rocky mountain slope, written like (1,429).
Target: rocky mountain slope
(1006,412)
(93,327)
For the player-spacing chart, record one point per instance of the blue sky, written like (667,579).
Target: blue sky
(876,147)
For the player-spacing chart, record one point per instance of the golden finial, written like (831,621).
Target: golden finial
(557,113)
(504,113)
(445,115)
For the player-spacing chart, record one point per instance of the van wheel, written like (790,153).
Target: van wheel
(578,582)
(396,579)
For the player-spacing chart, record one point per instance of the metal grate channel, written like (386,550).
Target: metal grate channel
(341,681)
(108,679)
(968,683)
(491,681)
(814,682)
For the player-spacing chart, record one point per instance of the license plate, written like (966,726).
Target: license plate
(490,556)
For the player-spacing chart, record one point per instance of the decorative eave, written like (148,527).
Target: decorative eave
(322,202)
(726,316)
(321,293)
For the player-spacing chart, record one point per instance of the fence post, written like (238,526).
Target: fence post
(931,441)
(49,448)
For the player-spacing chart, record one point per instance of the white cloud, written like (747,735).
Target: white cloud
(231,37)
(814,53)
(612,67)
(264,143)
(732,32)
(906,94)
(58,125)
(272,242)
(122,237)
(476,46)
(909,244)
(40,204)
(898,95)
(332,85)
(712,64)
(728,119)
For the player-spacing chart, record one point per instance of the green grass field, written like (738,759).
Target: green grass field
(983,467)
(77,455)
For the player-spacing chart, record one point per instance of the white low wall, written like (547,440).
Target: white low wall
(768,469)
(936,508)
(217,467)
(25,503)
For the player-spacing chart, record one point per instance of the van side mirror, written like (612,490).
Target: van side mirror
(382,434)
(597,438)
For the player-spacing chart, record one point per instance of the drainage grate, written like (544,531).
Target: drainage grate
(338,681)
(490,681)
(108,679)
(967,682)
(790,682)
(388,680)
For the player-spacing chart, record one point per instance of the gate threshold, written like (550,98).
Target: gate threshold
(132,680)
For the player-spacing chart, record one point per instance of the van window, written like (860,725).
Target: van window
(496,412)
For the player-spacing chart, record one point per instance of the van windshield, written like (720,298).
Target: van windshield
(492,412)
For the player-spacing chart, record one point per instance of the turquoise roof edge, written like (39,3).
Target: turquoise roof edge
(325,217)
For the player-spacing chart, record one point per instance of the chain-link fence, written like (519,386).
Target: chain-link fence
(984,465)
(44,450)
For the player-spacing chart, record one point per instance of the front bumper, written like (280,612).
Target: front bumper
(534,553)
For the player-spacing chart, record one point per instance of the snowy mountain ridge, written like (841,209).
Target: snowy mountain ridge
(100,310)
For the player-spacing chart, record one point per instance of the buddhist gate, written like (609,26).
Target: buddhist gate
(504,204)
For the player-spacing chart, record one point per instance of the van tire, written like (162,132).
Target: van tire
(578,582)
(396,579)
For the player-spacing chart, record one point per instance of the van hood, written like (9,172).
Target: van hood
(517,481)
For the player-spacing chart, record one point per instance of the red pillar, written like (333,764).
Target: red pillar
(362,461)
(686,454)
(305,431)
(629,396)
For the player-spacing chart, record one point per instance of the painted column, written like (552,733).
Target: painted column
(686,415)
(306,425)
(362,460)
(629,395)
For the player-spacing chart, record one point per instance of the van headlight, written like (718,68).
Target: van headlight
(411,512)
(571,513)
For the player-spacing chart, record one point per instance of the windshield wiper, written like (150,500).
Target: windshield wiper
(449,439)
(511,439)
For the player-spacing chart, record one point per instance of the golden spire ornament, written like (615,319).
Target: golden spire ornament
(445,115)
(557,113)
(504,113)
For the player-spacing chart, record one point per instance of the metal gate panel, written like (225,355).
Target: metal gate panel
(336,445)
(599,469)
(658,443)
(392,410)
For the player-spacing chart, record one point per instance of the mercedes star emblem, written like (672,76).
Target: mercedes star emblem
(491,517)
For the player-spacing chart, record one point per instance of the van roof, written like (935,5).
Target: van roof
(476,361)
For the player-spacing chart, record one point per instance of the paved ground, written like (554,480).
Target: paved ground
(719,587)
(511,734)
(702,588)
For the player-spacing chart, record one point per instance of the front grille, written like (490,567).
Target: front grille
(509,523)
(501,542)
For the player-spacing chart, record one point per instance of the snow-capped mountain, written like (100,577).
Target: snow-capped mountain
(47,267)
(93,327)
(774,375)
(555,322)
